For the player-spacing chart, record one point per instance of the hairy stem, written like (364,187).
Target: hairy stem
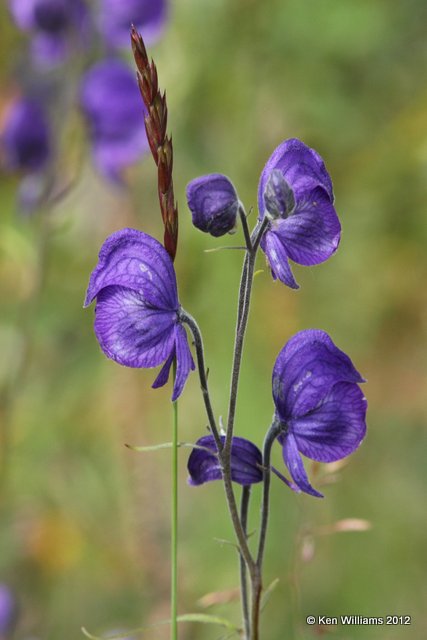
(244,506)
(270,437)
(257,582)
(246,232)
(242,321)
(226,468)
(201,367)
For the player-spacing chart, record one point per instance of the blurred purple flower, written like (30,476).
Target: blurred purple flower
(25,137)
(8,611)
(111,101)
(246,462)
(295,193)
(319,407)
(137,315)
(53,24)
(117,16)
(214,204)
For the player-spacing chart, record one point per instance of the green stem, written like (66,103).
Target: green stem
(174,521)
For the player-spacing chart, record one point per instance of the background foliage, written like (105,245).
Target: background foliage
(84,521)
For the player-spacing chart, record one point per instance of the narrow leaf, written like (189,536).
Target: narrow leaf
(165,445)
(204,618)
(267,593)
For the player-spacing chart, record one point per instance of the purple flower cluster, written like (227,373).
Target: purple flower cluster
(54,25)
(8,611)
(320,410)
(112,104)
(108,93)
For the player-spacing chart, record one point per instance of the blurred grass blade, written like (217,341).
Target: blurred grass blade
(203,618)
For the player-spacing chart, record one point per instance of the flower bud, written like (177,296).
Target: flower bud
(204,465)
(214,204)
(279,198)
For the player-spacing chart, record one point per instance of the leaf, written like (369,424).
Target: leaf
(204,618)
(267,593)
(165,445)
(225,248)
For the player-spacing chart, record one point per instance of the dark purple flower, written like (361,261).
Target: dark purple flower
(295,193)
(117,16)
(25,138)
(214,204)
(246,462)
(137,321)
(54,24)
(319,406)
(112,104)
(8,611)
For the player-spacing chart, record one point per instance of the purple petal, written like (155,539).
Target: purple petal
(277,257)
(131,333)
(295,465)
(302,168)
(246,462)
(164,373)
(214,204)
(284,479)
(184,361)
(112,104)
(312,233)
(117,16)
(133,259)
(336,428)
(307,367)
(26,137)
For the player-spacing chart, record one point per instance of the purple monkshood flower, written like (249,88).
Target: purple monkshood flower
(25,137)
(54,25)
(112,104)
(137,314)
(117,16)
(8,611)
(214,204)
(204,466)
(320,409)
(295,193)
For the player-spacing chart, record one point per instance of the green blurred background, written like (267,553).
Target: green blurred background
(84,521)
